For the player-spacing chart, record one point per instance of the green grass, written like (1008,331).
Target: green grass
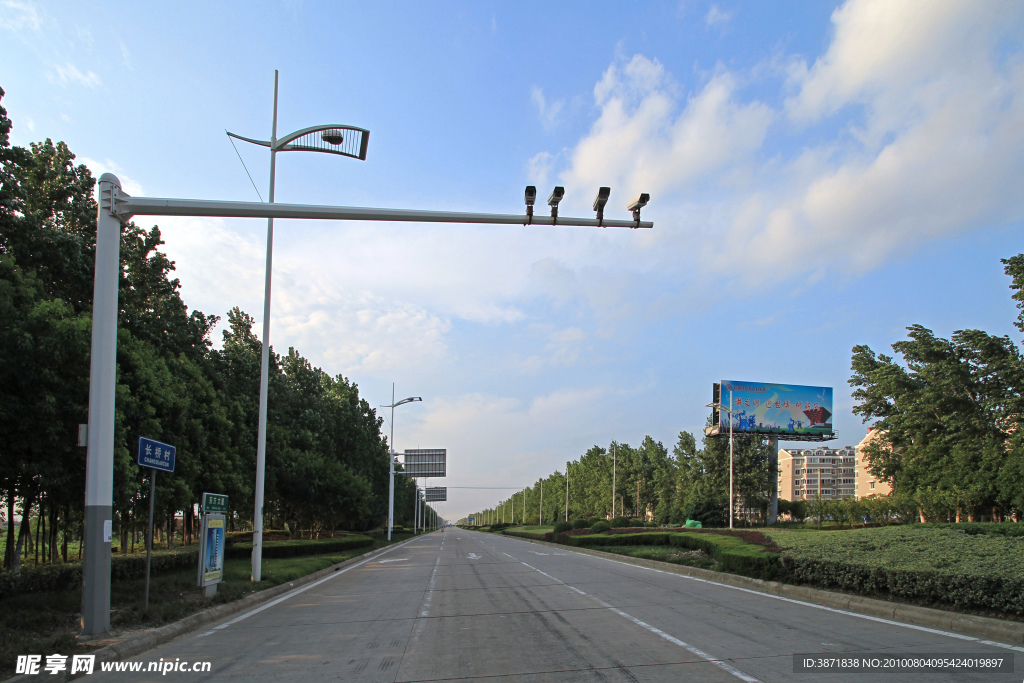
(916,547)
(46,623)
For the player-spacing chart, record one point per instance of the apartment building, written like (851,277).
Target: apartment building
(868,484)
(804,473)
(834,473)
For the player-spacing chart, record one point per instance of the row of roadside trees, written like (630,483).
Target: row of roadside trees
(327,464)
(949,415)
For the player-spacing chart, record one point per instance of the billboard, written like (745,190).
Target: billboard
(789,411)
(436,494)
(425,462)
(211,550)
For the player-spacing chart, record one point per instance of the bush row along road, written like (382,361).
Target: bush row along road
(466,605)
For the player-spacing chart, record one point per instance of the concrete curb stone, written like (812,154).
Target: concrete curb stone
(1001,630)
(137,643)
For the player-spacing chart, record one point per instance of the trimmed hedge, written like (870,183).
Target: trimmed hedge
(61,576)
(962,591)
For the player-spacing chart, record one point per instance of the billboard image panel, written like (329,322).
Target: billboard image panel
(764,408)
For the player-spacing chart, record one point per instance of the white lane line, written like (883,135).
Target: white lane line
(397,559)
(725,666)
(834,610)
(295,592)
(474,556)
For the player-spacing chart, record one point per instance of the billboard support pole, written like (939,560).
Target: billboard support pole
(773,472)
(731,508)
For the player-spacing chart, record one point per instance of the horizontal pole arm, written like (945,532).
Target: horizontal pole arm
(151,206)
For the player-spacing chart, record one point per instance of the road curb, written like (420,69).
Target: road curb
(138,643)
(988,628)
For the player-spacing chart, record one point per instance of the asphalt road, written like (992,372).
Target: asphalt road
(467,605)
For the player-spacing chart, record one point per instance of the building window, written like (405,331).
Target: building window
(871,485)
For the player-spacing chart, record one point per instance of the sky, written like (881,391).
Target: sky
(822,175)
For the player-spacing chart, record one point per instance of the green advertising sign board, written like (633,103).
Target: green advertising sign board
(215,502)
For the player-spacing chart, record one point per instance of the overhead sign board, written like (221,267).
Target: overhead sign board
(436,494)
(157,455)
(215,502)
(789,411)
(425,462)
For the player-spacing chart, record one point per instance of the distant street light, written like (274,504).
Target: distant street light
(391,457)
(333,139)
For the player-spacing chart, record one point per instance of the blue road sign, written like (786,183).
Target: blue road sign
(159,456)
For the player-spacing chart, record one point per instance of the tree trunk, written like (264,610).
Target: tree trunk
(9,546)
(67,516)
(54,528)
(39,527)
(22,534)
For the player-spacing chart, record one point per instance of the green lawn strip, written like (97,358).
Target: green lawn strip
(926,564)
(730,553)
(46,622)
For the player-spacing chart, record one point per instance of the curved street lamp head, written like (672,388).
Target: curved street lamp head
(348,141)
(411,399)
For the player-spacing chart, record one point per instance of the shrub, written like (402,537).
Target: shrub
(581,524)
(532,520)
(651,525)
(594,520)
(636,522)
(563,526)
(600,527)
(620,523)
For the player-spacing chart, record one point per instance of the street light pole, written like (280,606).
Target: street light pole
(261,438)
(332,141)
(567,492)
(613,478)
(391,457)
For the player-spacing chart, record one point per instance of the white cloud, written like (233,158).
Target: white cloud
(538,170)
(929,145)
(62,74)
(716,15)
(641,142)
(19,16)
(98,168)
(547,111)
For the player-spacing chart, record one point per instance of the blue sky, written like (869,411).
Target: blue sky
(822,175)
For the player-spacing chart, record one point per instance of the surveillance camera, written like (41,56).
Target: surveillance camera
(531,195)
(640,202)
(600,201)
(556,195)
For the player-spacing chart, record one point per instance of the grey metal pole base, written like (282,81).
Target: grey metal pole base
(210,591)
(96,571)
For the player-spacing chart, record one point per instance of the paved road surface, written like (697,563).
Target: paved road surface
(467,605)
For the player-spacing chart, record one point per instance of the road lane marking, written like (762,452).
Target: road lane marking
(295,592)
(397,559)
(725,666)
(834,610)
(474,556)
